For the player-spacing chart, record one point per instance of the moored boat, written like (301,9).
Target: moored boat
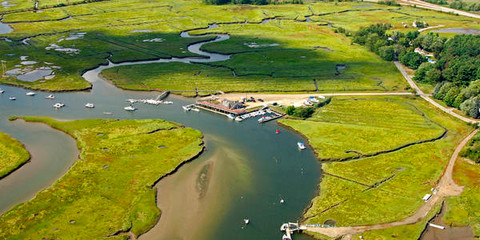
(89,105)
(30,94)
(50,96)
(58,105)
(130,108)
(1,91)
(246,221)
(301,145)
(186,108)
(12,98)
(238,119)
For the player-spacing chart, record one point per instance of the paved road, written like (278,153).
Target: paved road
(446,187)
(427,98)
(431,6)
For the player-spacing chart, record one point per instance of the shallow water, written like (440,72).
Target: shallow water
(458,30)
(244,173)
(5,28)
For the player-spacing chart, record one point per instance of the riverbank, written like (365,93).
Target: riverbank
(346,185)
(13,153)
(99,193)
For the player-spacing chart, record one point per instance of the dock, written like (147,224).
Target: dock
(217,108)
(289,228)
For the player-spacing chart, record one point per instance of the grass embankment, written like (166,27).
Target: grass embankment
(109,190)
(150,30)
(383,188)
(12,155)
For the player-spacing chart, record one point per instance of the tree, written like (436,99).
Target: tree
(451,95)
(433,76)
(422,71)
(290,110)
(471,107)
(412,59)
(442,90)
(304,112)
(387,52)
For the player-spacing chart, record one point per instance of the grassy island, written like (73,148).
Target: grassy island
(13,155)
(385,154)
(108,191)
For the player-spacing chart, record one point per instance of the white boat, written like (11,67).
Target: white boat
(284,227)
(58,105)
(1,91)
(282,201)
(246,221)
(130,108)
(231,116)
(167,102)
(186,108)
(195,109)
(89,105)
(30,94)
(238,119)
(12,98)
(50,96)
(107,113)
(301,145)
(285,237)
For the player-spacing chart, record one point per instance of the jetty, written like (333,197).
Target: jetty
(289,228)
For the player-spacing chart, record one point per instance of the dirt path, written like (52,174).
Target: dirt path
(427,98)
(431,6)
(446,187)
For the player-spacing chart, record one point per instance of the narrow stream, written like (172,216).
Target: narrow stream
(245,171)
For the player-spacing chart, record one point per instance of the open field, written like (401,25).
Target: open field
(150,30)
(12,153)
(108,192)
(347,185)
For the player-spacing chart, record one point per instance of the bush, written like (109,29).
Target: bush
(412,59)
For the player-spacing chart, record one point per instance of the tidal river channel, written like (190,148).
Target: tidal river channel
(244,173)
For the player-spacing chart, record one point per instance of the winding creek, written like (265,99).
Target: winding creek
(244,173)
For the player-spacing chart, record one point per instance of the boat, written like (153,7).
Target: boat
(284,227)
(30,94)
(50,96)
(167,102)
(1,91)
(89,105)
(12,98)
(58,105)
(246,221)
(108,113)
(186,108)
(285,237)
(277,131)
(238,119)
(195,109)
(231,116)
(282,201)
(301,145)
(130,108)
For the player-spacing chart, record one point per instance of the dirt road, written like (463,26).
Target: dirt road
(431,6)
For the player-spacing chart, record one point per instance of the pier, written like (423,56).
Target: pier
(289,228)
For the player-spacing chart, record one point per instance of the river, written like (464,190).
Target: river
(245,172)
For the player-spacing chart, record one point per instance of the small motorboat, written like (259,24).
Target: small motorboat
(246,221)
(167,102)
(50,96)
(1,91)
(238,119)
(301,145)
(282,201)
(195,109)
(58,105)
(30,94)
(89,105)
(284,227)
(12,98)
(186,108)
(231,116)
(130,108)
(285,237)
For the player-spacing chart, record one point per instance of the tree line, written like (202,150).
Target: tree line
(455,71)
(458,4)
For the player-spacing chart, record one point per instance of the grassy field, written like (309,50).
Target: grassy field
(378,183)
(307,50)
(109,190)
(12,153)
(463,210)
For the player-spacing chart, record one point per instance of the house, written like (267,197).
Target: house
(232,104)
